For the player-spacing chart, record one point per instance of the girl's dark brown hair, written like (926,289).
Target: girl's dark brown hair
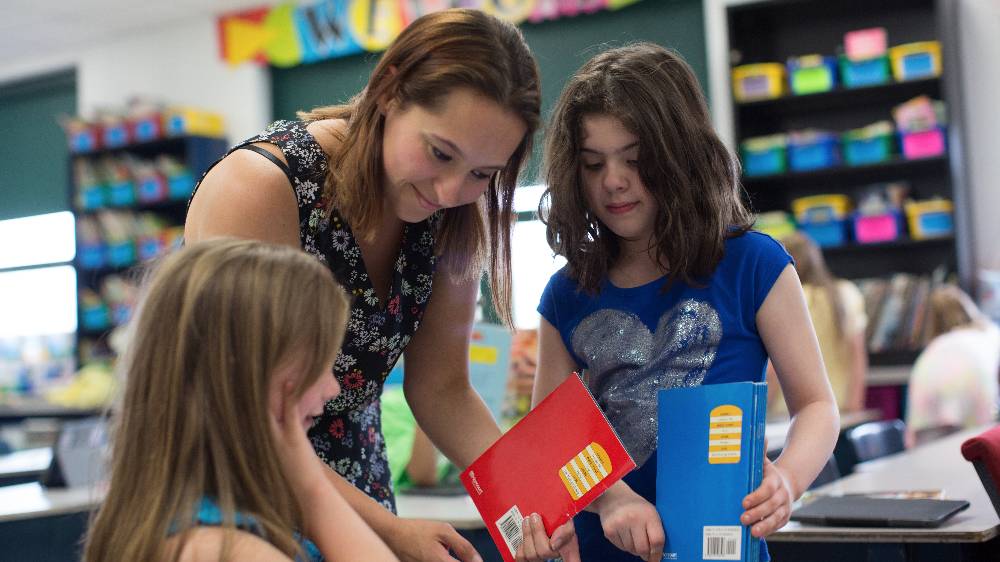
(434,55)
(682,162)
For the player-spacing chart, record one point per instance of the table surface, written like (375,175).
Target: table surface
(22,408)
(938,465)
(25,463)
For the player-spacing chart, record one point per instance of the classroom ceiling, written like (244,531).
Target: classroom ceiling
(40,28)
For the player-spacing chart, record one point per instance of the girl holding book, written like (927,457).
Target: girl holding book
(665,286)
(224,372)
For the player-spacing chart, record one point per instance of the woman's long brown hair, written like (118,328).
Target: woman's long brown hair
(433,56)
(216,320)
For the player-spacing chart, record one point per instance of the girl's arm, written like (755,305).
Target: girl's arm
(786,330)
(629,521)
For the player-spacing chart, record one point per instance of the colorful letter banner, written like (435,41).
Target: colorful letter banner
(289,34)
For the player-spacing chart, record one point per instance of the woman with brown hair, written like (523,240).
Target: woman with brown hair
(405,193)
(223,373)
(837,310)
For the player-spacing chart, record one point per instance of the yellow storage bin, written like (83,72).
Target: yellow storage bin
(190,121)
(930,219)
(912,61)
(759,81)
(821,208)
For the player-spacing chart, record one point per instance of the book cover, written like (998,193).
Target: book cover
(560,457)
(710,455)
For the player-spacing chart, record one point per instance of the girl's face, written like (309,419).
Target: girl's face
(312,401)
(445,157)
(614,190)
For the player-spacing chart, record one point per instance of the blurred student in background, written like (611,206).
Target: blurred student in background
(838,314)
(954,380)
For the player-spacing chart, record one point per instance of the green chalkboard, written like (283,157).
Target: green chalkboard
(33,162)
(560,46)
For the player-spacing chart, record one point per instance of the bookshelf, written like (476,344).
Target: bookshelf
(110,206)
(774,31)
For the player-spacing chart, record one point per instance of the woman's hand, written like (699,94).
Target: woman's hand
(536,546)
(631,523)
(769,506)
(416,540)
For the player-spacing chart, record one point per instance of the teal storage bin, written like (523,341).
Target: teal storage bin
(814,152)
(870,72)
(121,194)
(859,152)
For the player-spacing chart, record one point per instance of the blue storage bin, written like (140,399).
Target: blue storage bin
(764,163)
(826,233)
(180,186)
(116,136)
(152,189)
(859,152)
(121,254)
(92,197)
(91,256)
(121,194)
(83,141)
(823,152)
(870,72)
(95,318)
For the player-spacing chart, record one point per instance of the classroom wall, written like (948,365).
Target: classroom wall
(980,44)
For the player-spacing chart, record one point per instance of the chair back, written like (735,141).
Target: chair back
(869,441)
(983,451)
(829,473)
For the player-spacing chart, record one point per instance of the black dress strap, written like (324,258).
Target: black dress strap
(277,161)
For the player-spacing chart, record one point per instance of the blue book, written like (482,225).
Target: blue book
(710,455)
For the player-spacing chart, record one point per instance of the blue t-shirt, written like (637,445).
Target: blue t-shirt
(632,342)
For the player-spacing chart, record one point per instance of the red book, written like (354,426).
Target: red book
(554,462)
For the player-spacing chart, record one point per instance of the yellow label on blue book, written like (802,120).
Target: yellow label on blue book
(585,470)
(725,433)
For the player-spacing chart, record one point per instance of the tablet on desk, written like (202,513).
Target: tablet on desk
(862,511)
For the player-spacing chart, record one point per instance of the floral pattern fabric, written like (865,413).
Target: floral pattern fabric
(348,436)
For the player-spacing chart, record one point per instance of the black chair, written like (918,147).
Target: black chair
(829,473)
(867,442)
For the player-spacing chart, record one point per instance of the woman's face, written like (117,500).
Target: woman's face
(445,157)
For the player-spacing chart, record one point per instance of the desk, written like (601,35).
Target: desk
(25,465)
(43,525)
(970,535)
(777,431)
(24,408)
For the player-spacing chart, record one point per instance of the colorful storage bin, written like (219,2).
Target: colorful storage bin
(912,61)
(812,74)
(776,224)
(868,145)
(764,155)
(758,81)
(923,144)
(813,151)
(930,219)
(826,234)
(821,208)
(190,121)
(872,229)
(868,72)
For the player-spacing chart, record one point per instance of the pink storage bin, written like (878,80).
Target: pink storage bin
(923,144)
(870,229)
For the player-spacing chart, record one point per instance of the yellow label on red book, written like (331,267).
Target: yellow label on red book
(585,470)
(725,433)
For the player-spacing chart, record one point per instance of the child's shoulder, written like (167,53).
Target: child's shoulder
(204,544)
(753,241)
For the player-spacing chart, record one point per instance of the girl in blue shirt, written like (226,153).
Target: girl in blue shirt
(665,286)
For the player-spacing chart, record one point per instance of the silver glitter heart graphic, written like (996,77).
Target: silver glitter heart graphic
(627,365)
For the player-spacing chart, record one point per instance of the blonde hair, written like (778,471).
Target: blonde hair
(812,270)
(216,320)
(951,308)
(434,55)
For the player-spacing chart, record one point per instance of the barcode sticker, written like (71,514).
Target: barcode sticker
(721,542)
(510,529)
